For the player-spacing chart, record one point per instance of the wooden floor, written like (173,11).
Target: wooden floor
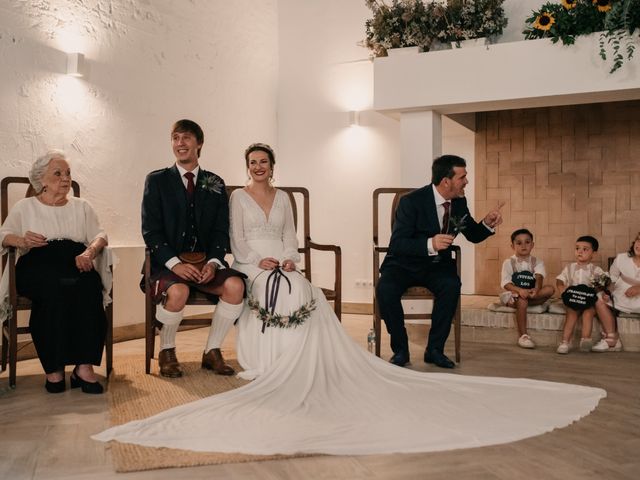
(45,436)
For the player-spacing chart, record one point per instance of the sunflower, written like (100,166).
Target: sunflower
(544,21)
(569,4)
(602,5)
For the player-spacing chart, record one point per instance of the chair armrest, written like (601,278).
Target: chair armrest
(11,265)
(458,252)
(338,265)
(325,247)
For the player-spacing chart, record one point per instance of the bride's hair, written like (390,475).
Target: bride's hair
(262,147)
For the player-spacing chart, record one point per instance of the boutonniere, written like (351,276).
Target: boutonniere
(211,183)
(457,224)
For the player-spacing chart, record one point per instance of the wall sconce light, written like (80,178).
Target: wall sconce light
(354,118)
(75,64)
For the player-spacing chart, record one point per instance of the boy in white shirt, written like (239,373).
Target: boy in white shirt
(522,276)
(580,297)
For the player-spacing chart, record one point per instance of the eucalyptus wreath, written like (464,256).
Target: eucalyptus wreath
(273,319)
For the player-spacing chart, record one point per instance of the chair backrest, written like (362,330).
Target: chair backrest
(6,195)
(299,197)
(381,208)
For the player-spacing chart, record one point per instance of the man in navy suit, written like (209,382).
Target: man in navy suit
(185,224)
(426,223)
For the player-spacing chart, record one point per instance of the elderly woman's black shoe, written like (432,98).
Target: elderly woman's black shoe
(87,387)
(55,387)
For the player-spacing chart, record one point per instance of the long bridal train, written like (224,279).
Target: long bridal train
(325,394)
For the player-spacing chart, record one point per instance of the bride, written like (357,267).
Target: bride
(315,390)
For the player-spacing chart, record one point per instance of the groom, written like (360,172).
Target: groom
(185,224)
(426,223)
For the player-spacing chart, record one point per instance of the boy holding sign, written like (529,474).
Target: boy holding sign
(578,285)
(522,276)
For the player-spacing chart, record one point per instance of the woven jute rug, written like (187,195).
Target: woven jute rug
(134,395)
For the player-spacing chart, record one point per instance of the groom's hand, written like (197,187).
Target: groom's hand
(187,272)
(207,273)
(441,241)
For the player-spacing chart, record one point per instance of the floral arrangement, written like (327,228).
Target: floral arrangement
(210,182)
(565,20)
(600,282)
(269,319)
(403,23)
(475,19)
(409,23)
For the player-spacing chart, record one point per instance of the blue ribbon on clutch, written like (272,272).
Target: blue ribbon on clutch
(272,290)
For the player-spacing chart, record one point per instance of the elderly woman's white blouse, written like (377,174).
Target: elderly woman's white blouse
(76,220)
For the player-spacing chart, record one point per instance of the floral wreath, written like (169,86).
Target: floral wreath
(267,313)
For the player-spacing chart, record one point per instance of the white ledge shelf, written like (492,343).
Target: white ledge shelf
(533,73)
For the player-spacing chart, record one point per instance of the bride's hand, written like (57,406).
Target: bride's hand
(288,266)
(268,263)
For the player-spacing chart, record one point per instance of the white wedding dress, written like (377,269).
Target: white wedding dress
(317,391)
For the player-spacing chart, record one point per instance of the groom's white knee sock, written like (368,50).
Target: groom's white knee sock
(223,317)
(170,323)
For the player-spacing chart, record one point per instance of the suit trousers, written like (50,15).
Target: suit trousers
(441,279)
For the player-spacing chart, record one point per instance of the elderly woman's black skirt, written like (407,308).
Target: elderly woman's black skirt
(67,322)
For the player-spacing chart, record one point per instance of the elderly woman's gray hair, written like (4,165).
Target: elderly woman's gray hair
(39,168)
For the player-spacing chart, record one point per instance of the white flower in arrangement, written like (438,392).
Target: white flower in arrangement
(600,281)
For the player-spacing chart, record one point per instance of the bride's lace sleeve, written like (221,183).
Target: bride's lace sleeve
(239,247)
(289,237)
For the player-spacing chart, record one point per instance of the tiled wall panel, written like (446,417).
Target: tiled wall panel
(563,172)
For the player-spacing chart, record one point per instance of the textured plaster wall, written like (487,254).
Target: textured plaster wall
(324,74)
(149,63)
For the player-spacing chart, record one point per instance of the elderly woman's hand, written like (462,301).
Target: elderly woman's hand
(84,261)
(33,240)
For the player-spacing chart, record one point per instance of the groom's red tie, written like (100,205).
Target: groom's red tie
(190,186)
(445,218)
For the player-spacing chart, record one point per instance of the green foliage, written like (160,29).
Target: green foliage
(475,19)
(408,23)
(563,21)
(566,23)
(620,24)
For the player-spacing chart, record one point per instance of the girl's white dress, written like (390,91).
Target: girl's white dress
(624,275)
(317,391)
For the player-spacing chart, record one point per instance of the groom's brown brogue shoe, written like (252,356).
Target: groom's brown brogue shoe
(212,360)
(169,365)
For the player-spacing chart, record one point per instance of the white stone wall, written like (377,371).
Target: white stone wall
(148,63)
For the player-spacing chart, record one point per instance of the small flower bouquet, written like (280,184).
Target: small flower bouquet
(457,225)
(600,282)
(211,183)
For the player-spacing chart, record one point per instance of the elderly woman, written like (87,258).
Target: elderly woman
(58,237)
(625,276)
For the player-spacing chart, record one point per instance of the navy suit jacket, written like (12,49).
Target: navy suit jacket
(164,215)
(416,221)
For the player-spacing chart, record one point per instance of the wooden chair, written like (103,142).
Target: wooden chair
(413,293)
(10,328)
(197,298)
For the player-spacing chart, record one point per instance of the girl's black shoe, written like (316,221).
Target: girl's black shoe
(55,387)
(87,387)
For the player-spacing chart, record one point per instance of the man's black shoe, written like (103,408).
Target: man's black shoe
(400,358)
(438,358)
